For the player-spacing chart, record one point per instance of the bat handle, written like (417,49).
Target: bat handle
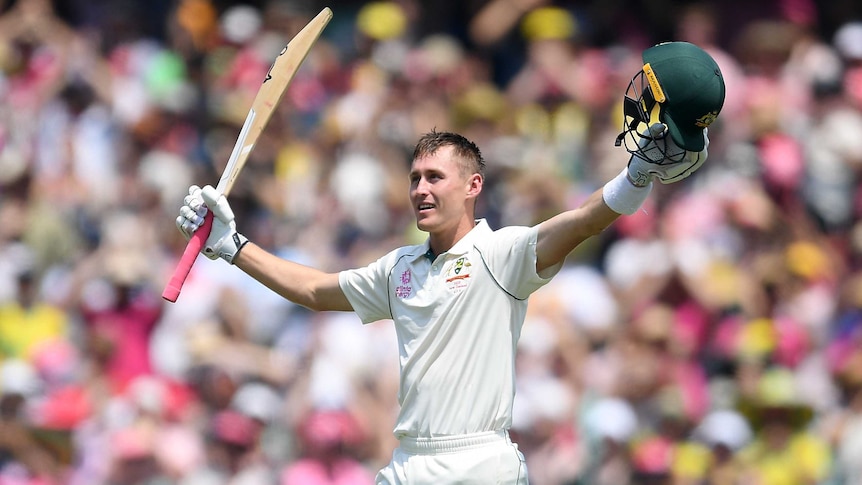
(193,248)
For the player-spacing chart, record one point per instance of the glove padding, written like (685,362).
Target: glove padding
(223,241)
(662,159)
(192,213)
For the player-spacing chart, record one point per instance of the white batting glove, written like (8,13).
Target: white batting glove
(223,241)
(192,213)
(662,159)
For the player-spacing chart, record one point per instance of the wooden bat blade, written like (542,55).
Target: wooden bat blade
(266,101)
(268,97)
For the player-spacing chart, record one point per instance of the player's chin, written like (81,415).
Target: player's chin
(423,226)
(424,223)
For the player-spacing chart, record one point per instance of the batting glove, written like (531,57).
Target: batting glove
(223,241)
(192,213)
(661,158)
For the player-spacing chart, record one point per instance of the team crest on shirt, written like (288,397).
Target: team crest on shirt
(458,275)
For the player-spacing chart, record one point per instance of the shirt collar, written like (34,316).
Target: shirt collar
(462,246)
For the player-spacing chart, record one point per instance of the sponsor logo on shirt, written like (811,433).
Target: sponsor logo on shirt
(405,289)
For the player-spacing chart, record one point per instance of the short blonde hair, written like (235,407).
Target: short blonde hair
(469,154)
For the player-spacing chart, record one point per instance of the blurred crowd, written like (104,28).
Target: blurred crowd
(715,337)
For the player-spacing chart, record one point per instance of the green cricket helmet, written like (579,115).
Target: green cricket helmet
(679,85)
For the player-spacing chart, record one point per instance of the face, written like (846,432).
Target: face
(441,194)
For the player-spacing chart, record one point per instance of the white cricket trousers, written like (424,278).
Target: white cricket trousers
(476,459)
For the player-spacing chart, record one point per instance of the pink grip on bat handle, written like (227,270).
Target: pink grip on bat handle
(193,248)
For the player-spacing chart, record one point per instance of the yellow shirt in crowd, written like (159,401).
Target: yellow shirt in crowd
(23,329)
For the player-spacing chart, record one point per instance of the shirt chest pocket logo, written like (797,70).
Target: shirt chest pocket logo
(457,275)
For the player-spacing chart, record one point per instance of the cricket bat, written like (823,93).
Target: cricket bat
(265,102)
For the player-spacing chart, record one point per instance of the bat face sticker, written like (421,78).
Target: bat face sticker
(269,72)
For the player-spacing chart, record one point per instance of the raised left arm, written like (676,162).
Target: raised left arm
(559,235)
(659,158)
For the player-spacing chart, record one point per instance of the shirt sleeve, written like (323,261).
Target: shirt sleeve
(511,258)
(367,290)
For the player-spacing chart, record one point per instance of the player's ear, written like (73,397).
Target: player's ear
(474,184)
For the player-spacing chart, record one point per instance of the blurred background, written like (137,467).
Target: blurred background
(715,337)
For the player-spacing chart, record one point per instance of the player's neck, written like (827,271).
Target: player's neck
(444,240)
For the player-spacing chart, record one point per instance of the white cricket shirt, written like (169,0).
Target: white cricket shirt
(458,319)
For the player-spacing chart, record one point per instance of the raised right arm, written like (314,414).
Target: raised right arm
(303,285)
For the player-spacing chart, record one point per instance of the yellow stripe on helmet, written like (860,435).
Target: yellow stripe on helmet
(657,91)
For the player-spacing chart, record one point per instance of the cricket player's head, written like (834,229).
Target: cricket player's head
(446,177)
